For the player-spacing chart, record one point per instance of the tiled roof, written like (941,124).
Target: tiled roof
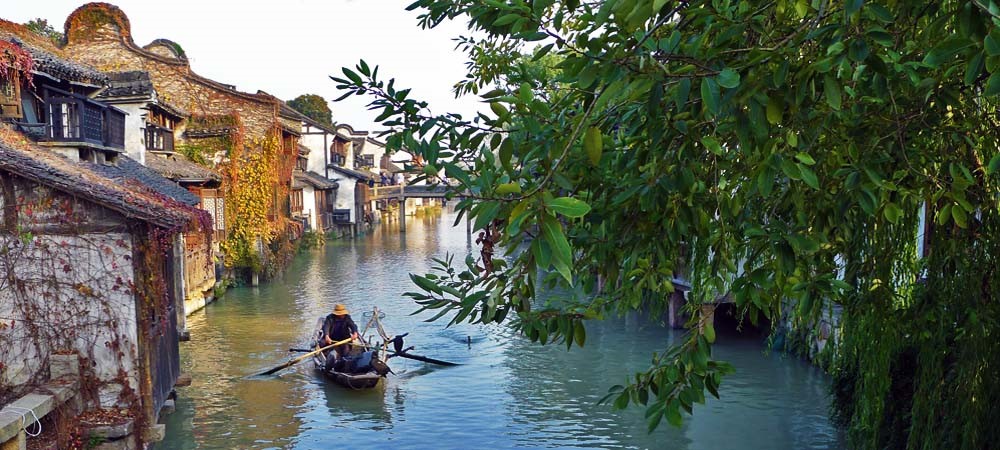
(26,159)
(130,169)
(136,84)
(353,173)
(178,168)
(299,179)
(128,84)
(49,63)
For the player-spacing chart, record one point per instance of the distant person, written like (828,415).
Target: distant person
(338,326)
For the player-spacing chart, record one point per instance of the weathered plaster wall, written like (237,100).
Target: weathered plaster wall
(70,289)
(135,121)
(317,151)
(345,194)
(309,207)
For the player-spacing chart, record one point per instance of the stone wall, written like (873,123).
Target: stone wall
(99,35)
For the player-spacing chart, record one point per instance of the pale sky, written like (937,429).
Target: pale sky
(290,47)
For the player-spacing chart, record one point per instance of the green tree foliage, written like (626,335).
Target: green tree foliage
(314,107)
(42,27)
(786,153)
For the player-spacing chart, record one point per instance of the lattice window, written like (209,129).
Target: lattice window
(10,98)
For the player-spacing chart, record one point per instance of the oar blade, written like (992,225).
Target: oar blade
(426,359)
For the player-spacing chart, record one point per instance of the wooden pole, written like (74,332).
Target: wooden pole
(300,358)
(402,213)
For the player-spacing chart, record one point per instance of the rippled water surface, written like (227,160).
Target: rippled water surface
(508,393)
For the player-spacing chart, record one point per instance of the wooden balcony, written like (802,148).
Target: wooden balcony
(73,119)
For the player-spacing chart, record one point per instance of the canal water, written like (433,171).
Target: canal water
(508,392)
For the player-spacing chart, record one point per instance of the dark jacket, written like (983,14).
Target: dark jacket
(338,330)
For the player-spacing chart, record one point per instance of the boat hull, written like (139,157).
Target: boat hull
(365,380)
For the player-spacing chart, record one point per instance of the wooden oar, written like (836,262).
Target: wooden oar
(295,361)
(424,359)
(404,354)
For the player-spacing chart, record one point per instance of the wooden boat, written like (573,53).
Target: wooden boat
(364,380)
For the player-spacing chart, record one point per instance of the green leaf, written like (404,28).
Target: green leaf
(835,49)
(622,401)
(961,219)
(709,332)
(562,254)
(712,145)
(728,78)
(485,213)
(974,68)
(831,88)
(498,109)
(945,51)
(673,413)
(542,52)
(593,145)
(852,6)
(506,19)
(425,284)
(994,165)
(801,8)
(992,43)
(580,334)
(808,176)
(508,188)
(992,85)
(568,206)
(775,108)
(792,139)
(765,183)
(804,158)
(350,74)
(892,212)
(859,50)
(710,95)
(880,36)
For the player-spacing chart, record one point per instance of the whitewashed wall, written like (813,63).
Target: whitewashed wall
(135,121)
(79,286)
(317,151)
(309,207)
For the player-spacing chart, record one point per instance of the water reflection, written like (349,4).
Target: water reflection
(508,393)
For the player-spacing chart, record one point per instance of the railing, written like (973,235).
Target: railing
(414,191)
(74,118)
(340,216)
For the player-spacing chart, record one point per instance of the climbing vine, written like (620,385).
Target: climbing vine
(256,199)
(15,62)
(70,288)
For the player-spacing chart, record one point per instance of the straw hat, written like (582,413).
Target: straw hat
(339,309)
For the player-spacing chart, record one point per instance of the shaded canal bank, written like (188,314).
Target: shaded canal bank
(509,393)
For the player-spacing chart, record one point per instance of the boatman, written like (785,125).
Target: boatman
(336,327)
